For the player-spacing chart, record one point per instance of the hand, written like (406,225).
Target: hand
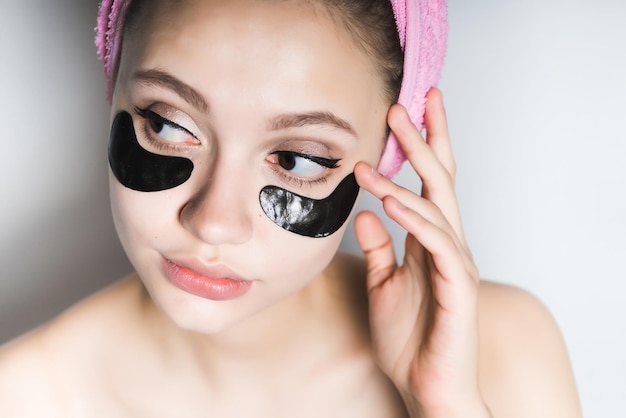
(423,313)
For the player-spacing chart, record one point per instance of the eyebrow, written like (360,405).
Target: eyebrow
(164,79)
(296,120)
(161,78)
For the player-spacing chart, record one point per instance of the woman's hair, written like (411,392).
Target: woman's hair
(373,27)
(371,24)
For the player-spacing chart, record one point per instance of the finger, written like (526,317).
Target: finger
(376,244)
(438,184)
(382,187)
(437,134)
(418,152)
(448,257)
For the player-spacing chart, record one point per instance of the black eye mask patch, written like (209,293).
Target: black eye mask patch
(139,169)
(310,217)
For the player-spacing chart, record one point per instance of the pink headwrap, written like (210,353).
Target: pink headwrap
(422,27)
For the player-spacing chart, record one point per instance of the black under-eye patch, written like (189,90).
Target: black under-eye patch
(309,217)
(139,169)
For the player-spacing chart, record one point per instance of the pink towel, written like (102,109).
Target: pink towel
(422,27)
(108,37)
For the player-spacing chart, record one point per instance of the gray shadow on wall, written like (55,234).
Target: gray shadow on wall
(58,243)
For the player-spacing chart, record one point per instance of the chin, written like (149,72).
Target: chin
(189,317)
(202,316)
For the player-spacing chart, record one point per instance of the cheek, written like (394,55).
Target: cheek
(140,218)
(295,260)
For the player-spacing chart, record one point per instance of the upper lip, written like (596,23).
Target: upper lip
(212,271)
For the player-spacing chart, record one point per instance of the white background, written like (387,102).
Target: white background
(536,98)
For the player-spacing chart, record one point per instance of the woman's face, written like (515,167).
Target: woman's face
(249,94)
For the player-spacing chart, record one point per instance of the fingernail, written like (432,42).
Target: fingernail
(375,172)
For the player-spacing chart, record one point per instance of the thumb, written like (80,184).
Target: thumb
(376,244)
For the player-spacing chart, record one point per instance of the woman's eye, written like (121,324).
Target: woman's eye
(166,129)
(304,165)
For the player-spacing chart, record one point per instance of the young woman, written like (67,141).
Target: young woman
(241,134)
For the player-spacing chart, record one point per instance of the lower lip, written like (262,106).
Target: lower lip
(188,280)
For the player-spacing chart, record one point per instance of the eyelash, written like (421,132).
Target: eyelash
(329,163)
(299,181)
(324,162)
(148,116)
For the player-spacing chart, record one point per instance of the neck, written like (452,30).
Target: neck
(283,342)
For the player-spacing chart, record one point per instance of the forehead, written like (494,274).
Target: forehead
(256,51)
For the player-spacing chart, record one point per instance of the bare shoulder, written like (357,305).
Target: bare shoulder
(39,370)
(25,377)
(524,365)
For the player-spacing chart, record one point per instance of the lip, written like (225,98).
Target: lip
(216,282)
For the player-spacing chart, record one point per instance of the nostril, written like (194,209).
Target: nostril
(217,218)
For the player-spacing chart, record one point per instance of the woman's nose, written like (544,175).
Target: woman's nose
(218,213)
